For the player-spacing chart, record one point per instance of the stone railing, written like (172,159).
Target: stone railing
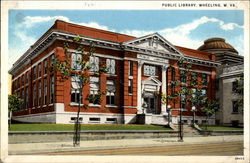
(233,68)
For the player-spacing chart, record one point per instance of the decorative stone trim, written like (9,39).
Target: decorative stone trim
(53,35)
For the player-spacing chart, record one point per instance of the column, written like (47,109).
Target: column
(139,90)
(164,87)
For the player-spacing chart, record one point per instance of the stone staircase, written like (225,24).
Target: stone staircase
(187,130)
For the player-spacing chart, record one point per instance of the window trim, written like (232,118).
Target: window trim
(150,66)
(109,97)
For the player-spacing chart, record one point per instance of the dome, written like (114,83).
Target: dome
(216,44)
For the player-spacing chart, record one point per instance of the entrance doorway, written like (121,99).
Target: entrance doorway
(151,103)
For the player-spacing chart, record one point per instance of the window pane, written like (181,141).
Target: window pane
(112,100)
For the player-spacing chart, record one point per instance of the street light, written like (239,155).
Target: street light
(193,110)
(77,127)
(180,127)
(168,110)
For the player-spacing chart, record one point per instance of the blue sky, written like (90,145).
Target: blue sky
(188,28)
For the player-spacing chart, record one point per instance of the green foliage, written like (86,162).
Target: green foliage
(197,98)
(193,79)
(14,103)
(209,107)
(96,98)
(81,67)
(240,91)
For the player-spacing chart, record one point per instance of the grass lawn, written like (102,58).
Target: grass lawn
(70,127)
(216,127)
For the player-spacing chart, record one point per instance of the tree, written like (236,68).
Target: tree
(76,66)
(209,107)
(240,90)
(189,90)
(14,104)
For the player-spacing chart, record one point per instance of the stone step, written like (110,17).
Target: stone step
(186,129)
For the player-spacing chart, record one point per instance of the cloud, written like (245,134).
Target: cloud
(30,21)
(237,43)
(179,35)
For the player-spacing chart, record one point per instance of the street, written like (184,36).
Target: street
(217,149)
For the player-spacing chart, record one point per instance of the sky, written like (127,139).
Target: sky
(187,28)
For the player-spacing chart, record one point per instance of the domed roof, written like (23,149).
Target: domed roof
(216,43)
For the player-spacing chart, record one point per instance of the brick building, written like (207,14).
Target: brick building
(139,68)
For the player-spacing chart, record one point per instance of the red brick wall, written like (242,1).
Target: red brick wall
(123,98)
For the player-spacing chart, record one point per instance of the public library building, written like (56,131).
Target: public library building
(140,71)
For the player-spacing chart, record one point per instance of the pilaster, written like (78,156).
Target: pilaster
(164,87)
(139,89)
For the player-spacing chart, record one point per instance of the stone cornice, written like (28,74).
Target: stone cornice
(53,35)
(172,56)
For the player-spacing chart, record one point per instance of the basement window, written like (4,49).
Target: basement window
(111,119)
(94,119)
(75,118)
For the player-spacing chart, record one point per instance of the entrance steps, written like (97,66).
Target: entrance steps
(187,130)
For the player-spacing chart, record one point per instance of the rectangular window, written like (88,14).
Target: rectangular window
(34,95)
(172,89)
(193,92)
(204,92)
(13,86)
(22,98)
(172,74)
(18,84)
(111,119)
(235,107)
(75,89)
(51,60)
(194,78)
(94,88)
(45,91)
(22,79)
(204,79)
(76,61)
(94,62)
(27,78)
(183,77)
(52,57)
(150,70)
(27,98)
(39,93)
(234,86)
(75,118)
(45,66)
(130,86)
(52,89)
(110,63)
(111,90)
(94,119)
(183,99)
(39,70)
(34,72)
(130,70)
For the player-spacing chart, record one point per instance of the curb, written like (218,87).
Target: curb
(164,143)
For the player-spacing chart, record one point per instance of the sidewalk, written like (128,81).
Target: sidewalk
(32,148)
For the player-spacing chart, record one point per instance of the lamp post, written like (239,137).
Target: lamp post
(193,110)
(180,127)
(77,128)
(168,110)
